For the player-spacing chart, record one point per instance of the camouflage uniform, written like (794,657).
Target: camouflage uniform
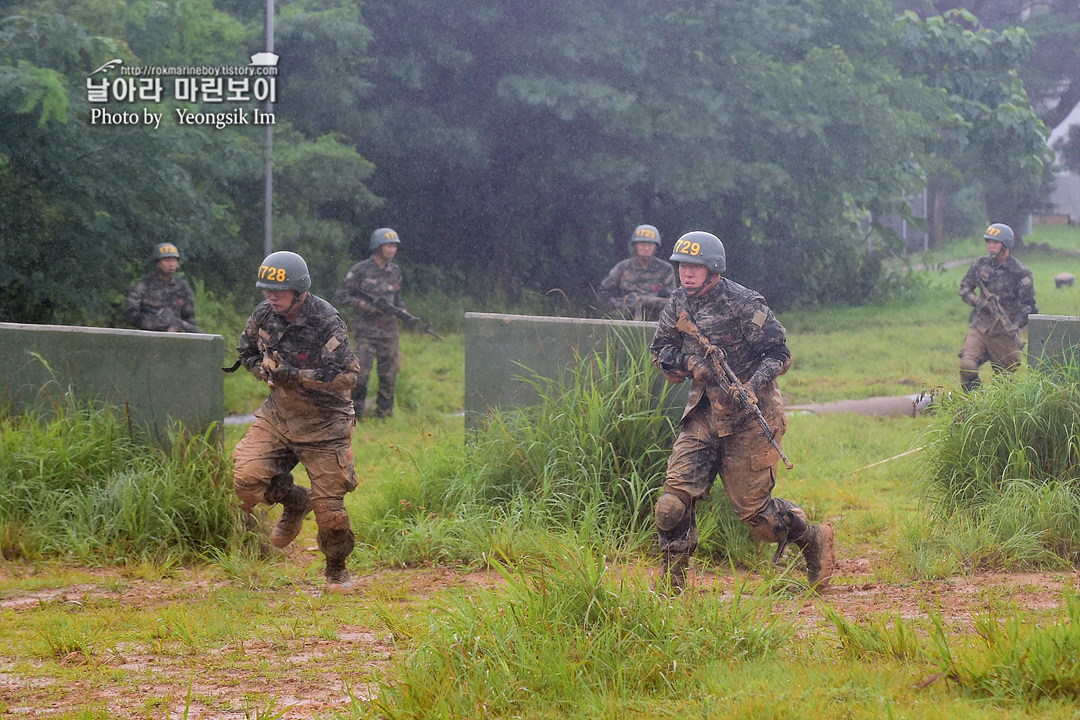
(628,283)
(375,332)
(309,421)
(989,339)
(717,436)
(156,305)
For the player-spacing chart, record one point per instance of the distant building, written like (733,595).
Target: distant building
(1065,199)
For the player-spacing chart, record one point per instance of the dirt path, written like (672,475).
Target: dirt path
(316,674)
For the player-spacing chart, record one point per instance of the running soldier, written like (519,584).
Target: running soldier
(298,344)
(376,279)
(638,287)
(162,301)
(717,434)
(1001,307)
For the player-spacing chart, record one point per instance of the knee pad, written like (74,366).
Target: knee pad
(330,514)
(670,512)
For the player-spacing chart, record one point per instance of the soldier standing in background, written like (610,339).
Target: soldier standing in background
(298,344)
(162,301)
(378,278)
(638,287)
(718,435)
(1006,297)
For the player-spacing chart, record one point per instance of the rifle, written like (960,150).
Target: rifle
(997,311)
(166,316)
(388,308)
(640,304)
(716,356)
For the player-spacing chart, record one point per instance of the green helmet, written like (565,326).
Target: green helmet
(644,233)
(165,250)
(382,236)
(700,248)
(283,270)
(1000,232)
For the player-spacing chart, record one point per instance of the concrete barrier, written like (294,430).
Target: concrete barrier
(503,351)
(1053,339)
(155,378)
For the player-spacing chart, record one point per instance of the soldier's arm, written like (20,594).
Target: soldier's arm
(666,348)
(251,355)
(1027,299)
(968,285)
(187,310)
(338,365)
(610,288)
(346,294)
(769,340)
(133,308)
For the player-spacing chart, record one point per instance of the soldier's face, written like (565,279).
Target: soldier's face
(280,300)
(693,276)
(993,247)
(388,251)
(644,249)
(168,266)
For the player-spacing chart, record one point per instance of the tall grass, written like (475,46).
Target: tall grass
(584,462)
(1002,471)
(76,485)
(564,638)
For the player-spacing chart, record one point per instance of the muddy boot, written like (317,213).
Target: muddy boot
(817,549)
(337,576)
(673,572)
(297,505)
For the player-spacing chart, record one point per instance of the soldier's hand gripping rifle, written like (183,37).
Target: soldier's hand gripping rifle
(169,319)
(388,308)
(996,310)
(718,359)
(640,305)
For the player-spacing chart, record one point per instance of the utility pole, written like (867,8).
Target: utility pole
(268,241)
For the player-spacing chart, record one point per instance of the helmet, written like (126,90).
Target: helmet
(283,270)
(1000,232)
(644,233)
(382,236)
(165,250)
(700,248)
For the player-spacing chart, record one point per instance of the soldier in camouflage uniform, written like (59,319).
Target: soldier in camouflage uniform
(375,331)
(1006,297)
(716,434)
(298,344)
(162,301)
(638,286)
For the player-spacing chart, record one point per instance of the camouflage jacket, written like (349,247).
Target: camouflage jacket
(317,343)
(628,279)
(736,320)
(366,276)
(1010,282)
(156,305)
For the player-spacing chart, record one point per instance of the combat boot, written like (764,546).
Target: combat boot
(817,549)
(673,571)
(297,505)
(337,576)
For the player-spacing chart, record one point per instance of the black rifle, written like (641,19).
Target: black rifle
(996,310)
(716,356)
(388,308)
(166,316)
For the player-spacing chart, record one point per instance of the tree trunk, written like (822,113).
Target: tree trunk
(935,217)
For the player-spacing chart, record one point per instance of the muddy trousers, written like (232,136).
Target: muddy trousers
(386,355)
(1000,349)
(265,453)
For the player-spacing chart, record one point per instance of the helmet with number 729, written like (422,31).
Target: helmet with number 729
(700,248)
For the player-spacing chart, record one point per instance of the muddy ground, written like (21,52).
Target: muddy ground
(132,682)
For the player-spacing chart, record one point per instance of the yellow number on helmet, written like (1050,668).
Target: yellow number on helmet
(281,274)
(695,249)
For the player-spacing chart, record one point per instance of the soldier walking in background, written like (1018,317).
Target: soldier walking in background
(1001,307)
(162,301)
(298,344)
(376,280)
(719,433)
(638,287)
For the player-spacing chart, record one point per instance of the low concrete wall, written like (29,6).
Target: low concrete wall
(1053,339)
(502,351)
(155,377)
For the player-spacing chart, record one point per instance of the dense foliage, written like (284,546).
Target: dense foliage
(513,145)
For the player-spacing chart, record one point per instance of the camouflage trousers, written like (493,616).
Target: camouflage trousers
(1000,349)
(267,450)
(384,352)
(745,461)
